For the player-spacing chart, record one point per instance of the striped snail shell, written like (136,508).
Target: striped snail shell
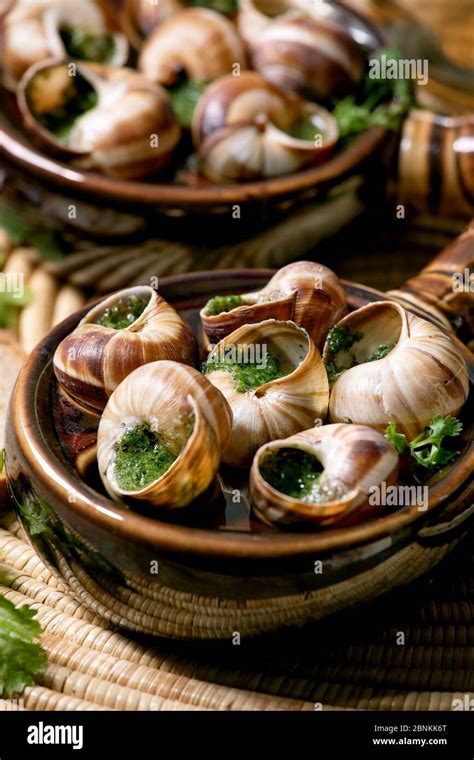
(180,405)
(91,362)
(198,42)
(277,407)
(244,129)
(118,113)
(423,373)
(436,163)
(142,17)
(299,51)
(353,459)
(36,30)
(304,292)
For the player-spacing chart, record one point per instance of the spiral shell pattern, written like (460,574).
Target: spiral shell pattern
(306,293)
(299,51)
(161,394)
(423,375)
(91,362)
(280,407)
(241,127)
(130,132)
(353,455)
(197,41)
(31,32)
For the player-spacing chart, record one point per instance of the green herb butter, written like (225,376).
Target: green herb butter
(297,474)
(84,45)
(220,304)
(141,457)
(250,374)
(123,314)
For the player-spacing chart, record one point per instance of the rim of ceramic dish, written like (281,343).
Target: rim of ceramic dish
(16,148)
(19,148)
(178,539)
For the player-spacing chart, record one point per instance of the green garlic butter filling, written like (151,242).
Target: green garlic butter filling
(297,474)
(123,314)
(143,455)
(248,375)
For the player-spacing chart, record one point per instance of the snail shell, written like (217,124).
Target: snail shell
(31,33)
(279,407)
(242,129)
(141,17)
(115,134)
(436,163)
(162,394)
(308,55)
(304,292)
(355,458)
(91,361)
(424,374)
(197,41)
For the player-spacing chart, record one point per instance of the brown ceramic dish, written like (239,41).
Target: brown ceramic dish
(223,574)
(172,198)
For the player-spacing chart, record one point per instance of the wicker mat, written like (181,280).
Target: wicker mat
(414,651)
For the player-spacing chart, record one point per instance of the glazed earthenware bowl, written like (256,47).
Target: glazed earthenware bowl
(198,197)
(218,571)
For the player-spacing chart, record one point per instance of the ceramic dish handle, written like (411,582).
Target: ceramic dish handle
(446,285)
(435,163)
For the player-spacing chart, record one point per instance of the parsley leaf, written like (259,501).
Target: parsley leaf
(22,658)
(398,440)
(378,102)
(427,449)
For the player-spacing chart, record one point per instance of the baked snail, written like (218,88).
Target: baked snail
(299,51)
(197,42)
(388,365)
(112,119)
(307,293)
(35,30)
(161,436)
(130,328)
(274,379)
(141,17)
(321,476)
(246,128)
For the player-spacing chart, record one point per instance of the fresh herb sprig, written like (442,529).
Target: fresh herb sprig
(427,448)
(22,657)
(27,228)
(378,103)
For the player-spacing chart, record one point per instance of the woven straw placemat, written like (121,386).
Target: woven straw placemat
(412,651)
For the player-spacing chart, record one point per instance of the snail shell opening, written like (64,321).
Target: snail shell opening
(177,402)
(395,367)
(290,395)
(132,327)
(330,483)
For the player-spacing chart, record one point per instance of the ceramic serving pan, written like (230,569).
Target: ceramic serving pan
(218,571)
(175,199)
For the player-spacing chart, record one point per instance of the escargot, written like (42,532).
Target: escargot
(112,119)
(161,435)
(304,292)
(197,42)
(246,128)
(294,48)
(273,377)
(141,17)
(35,30)
(321,476)
(130,328)
(388,365)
